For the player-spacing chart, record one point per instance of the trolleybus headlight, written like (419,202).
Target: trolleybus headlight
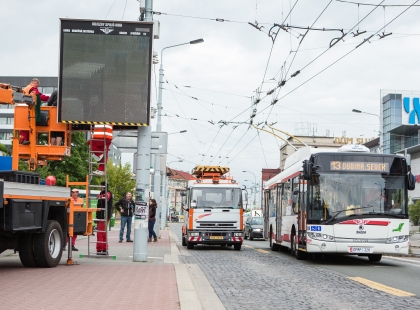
(397,239)
(194,234)
(319,236)
(238,234)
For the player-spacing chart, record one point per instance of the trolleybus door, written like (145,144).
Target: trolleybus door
(266,214)
(302,213)
(278,194)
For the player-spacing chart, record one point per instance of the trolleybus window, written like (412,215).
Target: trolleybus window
(338,195)
(216,198)
(272,202)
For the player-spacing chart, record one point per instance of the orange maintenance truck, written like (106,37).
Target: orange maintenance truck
(35,219)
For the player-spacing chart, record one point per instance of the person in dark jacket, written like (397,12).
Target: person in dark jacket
(152,219)
(104,201)
(126,207)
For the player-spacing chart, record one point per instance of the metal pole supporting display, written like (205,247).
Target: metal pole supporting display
(142,175)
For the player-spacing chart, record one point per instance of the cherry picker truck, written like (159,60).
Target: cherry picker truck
(35,219)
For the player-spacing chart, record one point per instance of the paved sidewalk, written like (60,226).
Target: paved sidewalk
(108,283)
(93,282)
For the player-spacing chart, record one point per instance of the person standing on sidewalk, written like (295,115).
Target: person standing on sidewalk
(126,207)
(152,219)
(104,201)
(77,201)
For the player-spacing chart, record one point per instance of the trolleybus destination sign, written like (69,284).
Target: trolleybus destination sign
(358,166)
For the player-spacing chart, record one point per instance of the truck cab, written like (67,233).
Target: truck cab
(214,209)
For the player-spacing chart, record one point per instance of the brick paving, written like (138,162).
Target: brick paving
(92,282)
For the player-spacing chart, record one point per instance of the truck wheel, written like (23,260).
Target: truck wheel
(48,246)
(183,241)
(190,246)
(26,250)
(237,246)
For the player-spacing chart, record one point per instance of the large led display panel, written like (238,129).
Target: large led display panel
(105,72)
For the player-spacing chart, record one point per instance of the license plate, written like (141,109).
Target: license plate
(360,250)
(216,237)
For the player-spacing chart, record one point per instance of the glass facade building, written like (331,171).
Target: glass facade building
(396,132)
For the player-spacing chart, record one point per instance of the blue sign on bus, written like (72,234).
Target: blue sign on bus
(315,228)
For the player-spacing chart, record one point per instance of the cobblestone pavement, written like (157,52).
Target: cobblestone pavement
(255,279)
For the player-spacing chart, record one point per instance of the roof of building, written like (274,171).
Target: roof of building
(182,175)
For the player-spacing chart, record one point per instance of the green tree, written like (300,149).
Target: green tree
(119,179)
(414,212)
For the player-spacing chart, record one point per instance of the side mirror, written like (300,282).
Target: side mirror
(307,169)
(411,181)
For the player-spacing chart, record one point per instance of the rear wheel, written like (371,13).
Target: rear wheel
(26,250)
(273,246)
(237,246)
(48,246)
(375,257)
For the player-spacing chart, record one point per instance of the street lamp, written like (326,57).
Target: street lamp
(182,131)
(255,182)
(358,111)
(157,176)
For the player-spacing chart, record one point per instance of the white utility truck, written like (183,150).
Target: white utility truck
(214,210)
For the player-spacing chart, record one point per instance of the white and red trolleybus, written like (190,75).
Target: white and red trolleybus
(348,201)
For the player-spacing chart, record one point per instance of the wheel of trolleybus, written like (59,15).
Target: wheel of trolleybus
(184,243)
(375,257)
(273,245)
(48,246)
(294,249)
(26,250)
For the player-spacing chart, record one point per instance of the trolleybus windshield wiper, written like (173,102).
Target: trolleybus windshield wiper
(338,212)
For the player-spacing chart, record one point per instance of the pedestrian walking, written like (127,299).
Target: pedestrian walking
(104,201)
(77,201)
(126,207)
(152,219)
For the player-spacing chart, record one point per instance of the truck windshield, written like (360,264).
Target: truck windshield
(216,198)
(339,195)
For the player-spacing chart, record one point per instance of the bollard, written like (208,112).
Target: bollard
(140,241)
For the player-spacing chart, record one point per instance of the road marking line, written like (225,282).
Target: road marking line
(381,287)
(262,251)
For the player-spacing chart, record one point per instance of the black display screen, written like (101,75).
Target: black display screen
(105,72)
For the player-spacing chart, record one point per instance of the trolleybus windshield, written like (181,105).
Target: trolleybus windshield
(216,198)
(339,195)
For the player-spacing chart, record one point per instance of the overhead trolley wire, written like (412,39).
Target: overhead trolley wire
(340,57)
(372,4)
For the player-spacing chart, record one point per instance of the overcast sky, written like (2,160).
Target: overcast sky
(224,72)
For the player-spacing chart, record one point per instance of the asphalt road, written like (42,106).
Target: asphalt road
(391,272)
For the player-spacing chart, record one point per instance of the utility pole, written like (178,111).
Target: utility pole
(157,173)
(144,141)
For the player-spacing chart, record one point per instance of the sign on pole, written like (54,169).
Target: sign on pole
(142,210)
